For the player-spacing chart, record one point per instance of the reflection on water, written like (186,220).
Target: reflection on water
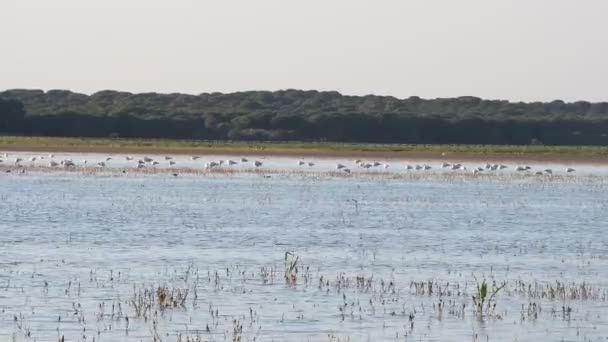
(378,259)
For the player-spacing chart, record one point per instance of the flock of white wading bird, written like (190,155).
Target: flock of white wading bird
(146,162)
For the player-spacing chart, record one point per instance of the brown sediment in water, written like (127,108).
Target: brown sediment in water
(497,157)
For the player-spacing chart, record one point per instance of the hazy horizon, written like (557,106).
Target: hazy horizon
(538,50)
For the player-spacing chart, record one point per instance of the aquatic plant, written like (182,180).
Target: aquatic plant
(483,303)
(291,271)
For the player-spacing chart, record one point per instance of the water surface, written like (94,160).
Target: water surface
(74,246)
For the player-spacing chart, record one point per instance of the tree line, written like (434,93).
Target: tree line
(303,116)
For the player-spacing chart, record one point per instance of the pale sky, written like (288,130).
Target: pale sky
(508,49)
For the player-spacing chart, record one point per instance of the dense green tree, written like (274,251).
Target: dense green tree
(302,115)
(12,114)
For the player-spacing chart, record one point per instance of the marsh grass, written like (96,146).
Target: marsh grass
(185,146)
(359,298)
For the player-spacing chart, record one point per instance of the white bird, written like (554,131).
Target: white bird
(570,170)
(528,167)
(549,171)
(168,158)
(257,163)
(6,156)
(171,162)
(520,168)
(444,165)
(85,162)
(194,157)
(347,170)
(456,167)
(18,160)
(129,158)
(340,166)
(488,166)
(155,163)
(53,163)
(221,162)
(148,159)
(538,173)
(311,164)
(211,165)
(108,158)
(231,162)
(301,162)
(51,155)
(358,161)
(502,167)
(68,163)
(418,167)
(102,164)
(141,162)
(385,166)
(409,167)
(141,166)
(40,157)
(33,159)
(376,164)
(244,160)
(426,167)
(367,165)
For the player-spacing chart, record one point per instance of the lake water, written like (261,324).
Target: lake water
(379,259)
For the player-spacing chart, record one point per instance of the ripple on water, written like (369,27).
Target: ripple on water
(70,240)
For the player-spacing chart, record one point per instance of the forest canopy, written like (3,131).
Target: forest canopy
(302,115)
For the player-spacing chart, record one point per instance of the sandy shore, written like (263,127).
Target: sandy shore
(561,158)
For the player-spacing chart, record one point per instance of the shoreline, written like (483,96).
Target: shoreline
(595,155)
(376,155)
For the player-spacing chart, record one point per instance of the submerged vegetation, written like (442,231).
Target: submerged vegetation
(295,115)
(386,304)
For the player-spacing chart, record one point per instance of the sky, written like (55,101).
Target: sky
(519,50)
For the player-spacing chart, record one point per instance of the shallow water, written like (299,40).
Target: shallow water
(73,246)
(100,162)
